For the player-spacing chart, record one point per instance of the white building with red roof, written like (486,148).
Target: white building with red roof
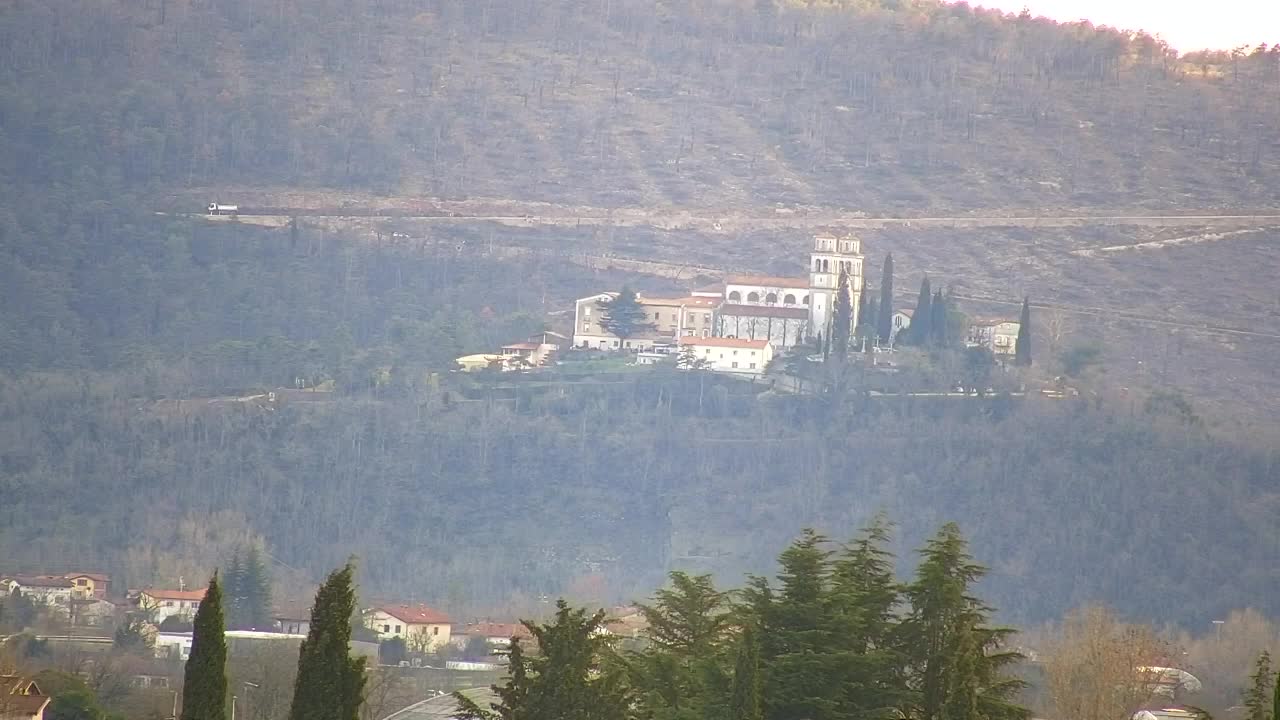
(731,355)
(422,628)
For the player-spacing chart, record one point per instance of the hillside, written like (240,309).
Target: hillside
(887,107)
(127,338)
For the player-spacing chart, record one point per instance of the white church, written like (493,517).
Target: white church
(781,310)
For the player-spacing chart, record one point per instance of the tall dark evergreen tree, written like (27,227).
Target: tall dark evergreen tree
(1260,696)
(568,679)
(204,680)
(884,317)
(624,316)
(256,591)
(921,328)
(938,320)
(745,702)
(941,607)
(842,319)
(330,683)
(234,593)
(1022,346)
(1275,698)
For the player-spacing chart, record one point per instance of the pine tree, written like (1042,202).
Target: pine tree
(256,591)
(921,328)
(233,584)
(568,679)
(884,318)
(961,701)
(941,607)
(690,618)
(330,683)
(1275,698)
(623,315)
(1022,346)
(863,587)
(204,682)
(745,702)
(1259,697)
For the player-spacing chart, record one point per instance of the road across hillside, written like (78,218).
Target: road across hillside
(704,222)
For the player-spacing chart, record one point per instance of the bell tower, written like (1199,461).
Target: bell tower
(832,256)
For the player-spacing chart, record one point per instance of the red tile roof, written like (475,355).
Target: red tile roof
(502,630)
(175,594)
(44,581)
(778,311)
(767,281)
(725,342)
(415,614)
(20,706)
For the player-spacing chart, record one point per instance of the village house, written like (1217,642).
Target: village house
(784,311)
(731,355)
(422,628)
(21,699)
(90,584)
(495,635)
(900,320)
(52,590)
(999,335)
(164,604)
(292,618)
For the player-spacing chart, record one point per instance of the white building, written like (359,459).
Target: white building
(782,326)
(41,589)
(998,335)
(164,604)
(900,320)
(832,257)
(734,355)
(422,628)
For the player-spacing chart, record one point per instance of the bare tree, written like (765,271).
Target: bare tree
(1098,668)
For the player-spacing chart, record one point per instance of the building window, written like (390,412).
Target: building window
(735,296)
(817,265)
(657,316)
(753,297)
(435,630)
(735,364)
(168,603)
(386,628)
(397,629)
(735,352)
(771,298)
(586,311)
(788,299)
(753,366)
(805,300)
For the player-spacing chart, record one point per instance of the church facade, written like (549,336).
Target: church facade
(785,311)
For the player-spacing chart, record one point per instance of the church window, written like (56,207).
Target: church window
(789,299)
(805,300)
(753,297)
(817,265)
(735,296)
(771,298)
(657,316)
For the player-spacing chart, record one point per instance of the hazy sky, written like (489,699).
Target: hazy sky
(1185,24)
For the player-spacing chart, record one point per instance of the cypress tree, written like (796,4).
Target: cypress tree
(1259,698)
(842,319)
(884,317)
(921,328)
(204,681)
(745,703)
(1022,346)
(330,683)
(938,320)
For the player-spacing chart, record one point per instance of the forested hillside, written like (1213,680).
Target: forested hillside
(883,106)
(125,337)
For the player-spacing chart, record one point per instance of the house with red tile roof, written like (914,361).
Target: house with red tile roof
(730,355)
(423,629)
